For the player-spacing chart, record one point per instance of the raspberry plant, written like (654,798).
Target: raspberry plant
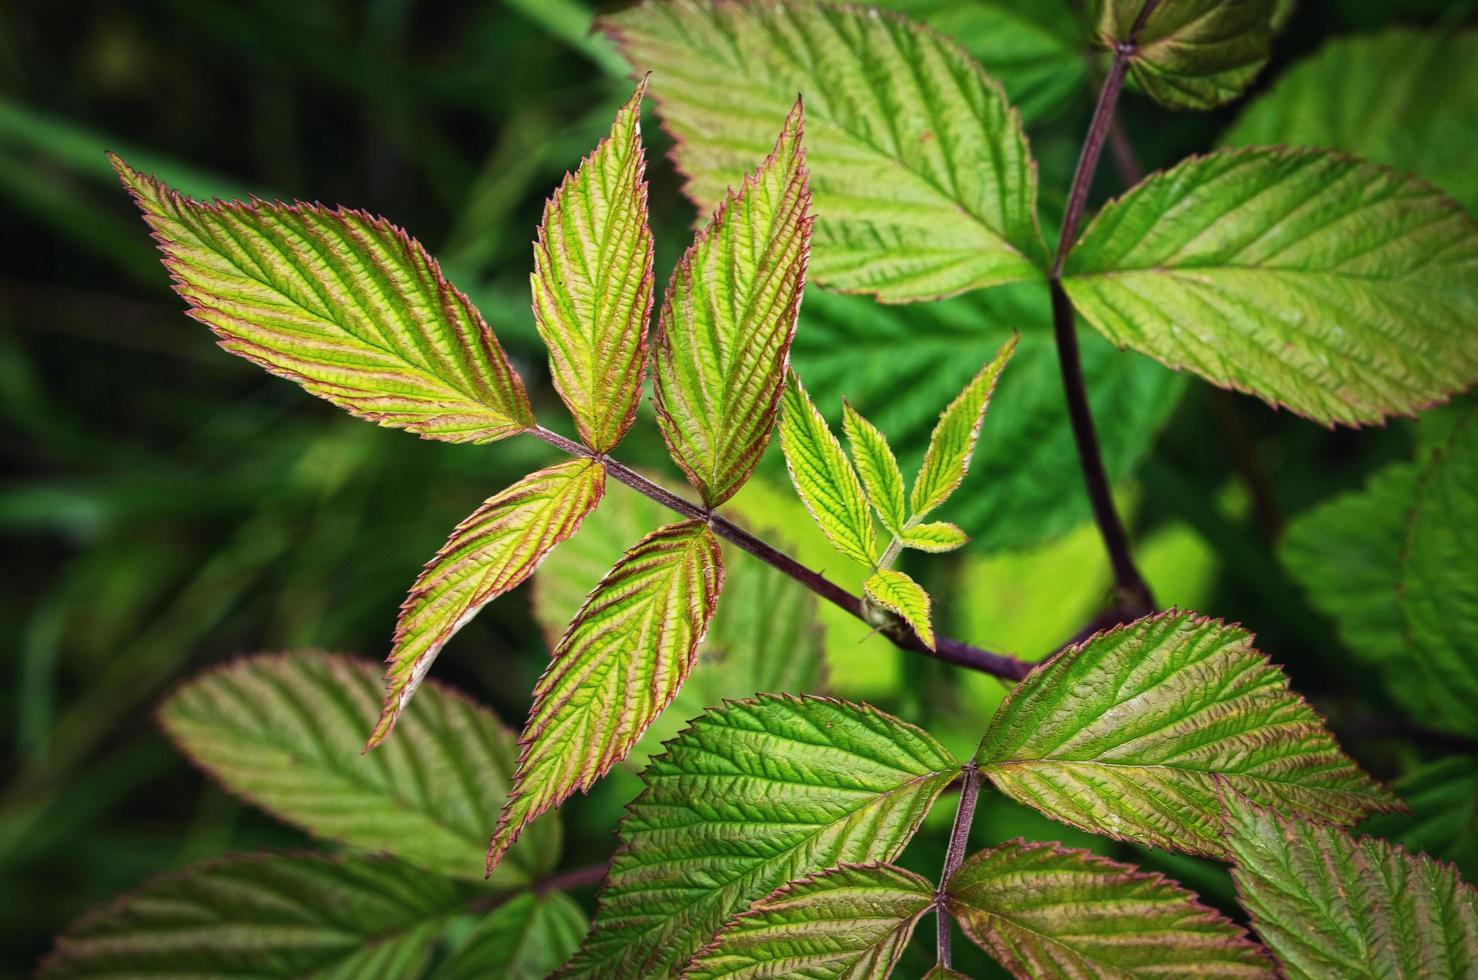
(764,839)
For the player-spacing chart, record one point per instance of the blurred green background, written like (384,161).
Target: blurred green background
(166,506)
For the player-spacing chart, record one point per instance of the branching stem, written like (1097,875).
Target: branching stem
(945,649)
(959,838)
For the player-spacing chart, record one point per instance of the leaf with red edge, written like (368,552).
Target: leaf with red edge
(342,302)
(618,666)
(723,338)
(489,553)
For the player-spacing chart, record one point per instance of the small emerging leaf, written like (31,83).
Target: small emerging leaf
(852,921)
(1127,733)
(344,303)
(723,339)
(274,917)
(823,476)
(1330,904)
(938,536)
(284,732)
(618,666)
(753,795)
(878,468)
(592,282)
(1191,54)
(1043,910)
(492,551)
(941,972)
(953,441)
(899,594)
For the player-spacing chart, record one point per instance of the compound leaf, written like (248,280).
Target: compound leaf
(723,340)
(269,916)
(935,536)
(617,667)
(344,303)
(1050,911)
(489,553)
(592,282)
(1337,289)
(852,921)
(923,180)
(823,476)
(1439,601)
(1191,54)
(1330,904)
(901,595)
(953,441)
(1402,98)
(1127,733)
(878,468)
(285,733)
(752,795)
(525,938)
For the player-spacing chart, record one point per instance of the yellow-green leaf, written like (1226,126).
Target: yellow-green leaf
(723,339)
(592,282)
(489,553)
(936,536)
(899,594)
(617,667)
(823,476)
(344,303)
(878,468)
(953,441)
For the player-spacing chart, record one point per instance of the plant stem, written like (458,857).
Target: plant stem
(945,649)
(1134,597)
(959,837)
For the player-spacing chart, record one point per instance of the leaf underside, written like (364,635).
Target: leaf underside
(1341,291)
(751,796)
(592,283)
(723,339)
(852,921)
(344,303)
(489,553)
(924,185)
(1192,54)
(275,916)
(617,667)
(952,444)
(1330,904)
(1127,733)
(901,595)
(285,732)
(823,476)
(1043,910)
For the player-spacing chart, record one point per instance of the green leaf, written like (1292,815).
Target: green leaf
(1339,290)
(1044,910)
(525,938)
(344,303)
(617,667)
(878,468)
(924,184)
(279,916)
(1439,601)
(285,732)
(899,594)
(851,921)
(936,536)
(898,364)
(1329,904)
(723,340)
(592,282)
(1126,734)
(941,972)
(752,795)
(1443,822)
(823,476)
(489,553)
(953,441)
(1191,54)
(1402,98)
(1034,48)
